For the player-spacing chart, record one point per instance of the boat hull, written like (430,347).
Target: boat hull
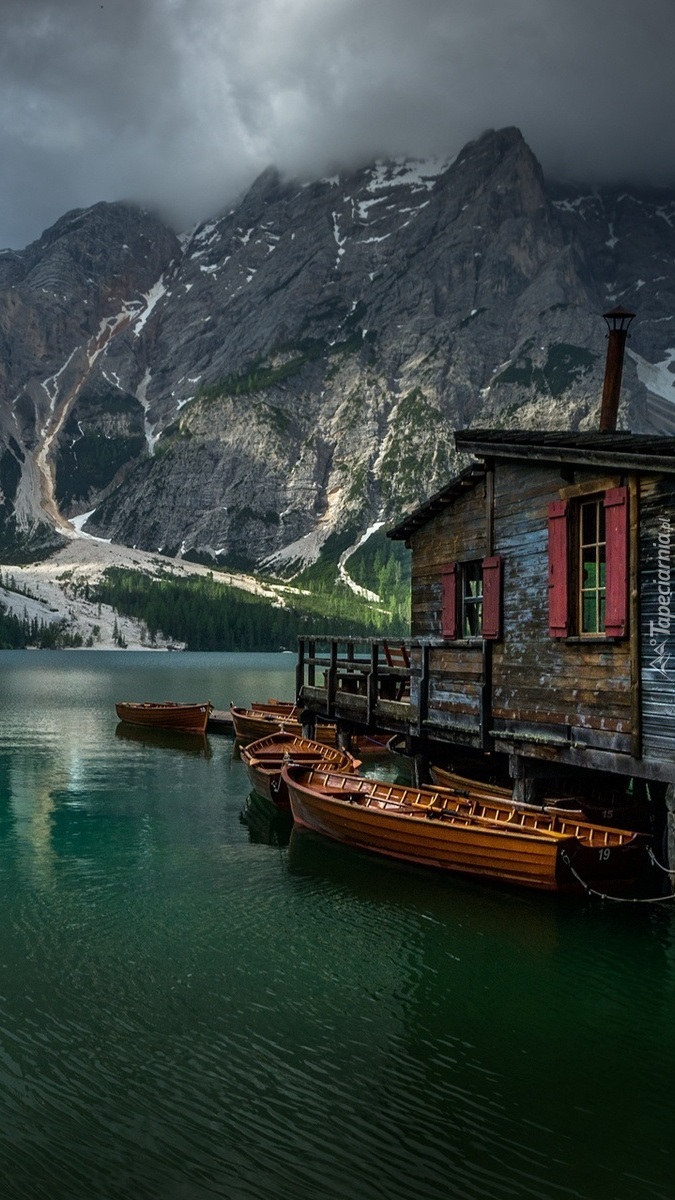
(184,718)
(250,724)
(265,758)
(628,816)
(413,825)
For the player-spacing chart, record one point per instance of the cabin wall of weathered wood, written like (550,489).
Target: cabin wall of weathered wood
(657,616)
(608,704)
(456,669)
(580,690)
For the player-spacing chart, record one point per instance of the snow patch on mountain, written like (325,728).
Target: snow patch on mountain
(344,575)
(658,378)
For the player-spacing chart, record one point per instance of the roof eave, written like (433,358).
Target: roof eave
(566,454)
(441,500)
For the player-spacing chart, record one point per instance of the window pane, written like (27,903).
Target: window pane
(473,614)
(589,578)
(588,613)
(471,599)
(601,521)
(589,524)
(473,578)
(592,567)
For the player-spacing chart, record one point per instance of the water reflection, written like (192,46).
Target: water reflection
(165,739)
(509,1009)
(266,824)
(375,880)
(30,788)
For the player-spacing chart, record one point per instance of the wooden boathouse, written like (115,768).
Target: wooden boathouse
(542,643)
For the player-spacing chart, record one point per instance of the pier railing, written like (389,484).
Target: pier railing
(361,678)
(412,687)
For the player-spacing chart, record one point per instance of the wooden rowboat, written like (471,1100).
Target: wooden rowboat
(493,840)
(256,722)
(285,708)
(630,814)
(463,786)
(184,718)
(265,758)
(251,724)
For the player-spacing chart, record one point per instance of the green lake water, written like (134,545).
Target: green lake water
(198,1005)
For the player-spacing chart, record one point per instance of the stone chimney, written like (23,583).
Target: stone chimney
(618,320)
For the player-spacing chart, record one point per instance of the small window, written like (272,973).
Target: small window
(470,599)
(592,567)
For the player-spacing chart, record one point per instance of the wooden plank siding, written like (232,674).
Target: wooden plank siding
(456,673)
(578,691)
(582,687)
(454,535)
(657,619)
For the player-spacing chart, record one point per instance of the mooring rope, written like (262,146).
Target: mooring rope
(617,899)
(657,863)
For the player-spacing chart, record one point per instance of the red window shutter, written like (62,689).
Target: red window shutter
(449,610)
(616,536)
(558,583)
(492,597)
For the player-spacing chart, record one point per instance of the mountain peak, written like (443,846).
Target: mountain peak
(293,377)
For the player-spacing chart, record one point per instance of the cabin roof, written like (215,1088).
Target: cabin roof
(628,451)
(618,451)
(468,479)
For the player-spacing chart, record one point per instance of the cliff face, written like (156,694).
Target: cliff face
(293,371)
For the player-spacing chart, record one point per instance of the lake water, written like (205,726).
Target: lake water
(194,1005)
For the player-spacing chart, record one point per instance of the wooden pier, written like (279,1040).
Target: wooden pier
(220,722)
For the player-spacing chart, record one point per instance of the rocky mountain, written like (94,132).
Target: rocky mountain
(286,377)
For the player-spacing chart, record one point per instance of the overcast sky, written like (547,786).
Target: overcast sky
(181,103)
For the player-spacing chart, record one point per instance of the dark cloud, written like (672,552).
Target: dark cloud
(180,103)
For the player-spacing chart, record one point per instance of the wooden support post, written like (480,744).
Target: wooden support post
(525,791)
(420,769)
(489,508)
(331,679)
(300,670)
(344,738)
(308,723)
(485,699)
(423,690)
(372,682)
(525,786)
(311,670)
(350,658)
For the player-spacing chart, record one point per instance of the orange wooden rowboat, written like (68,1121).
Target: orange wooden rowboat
(497,841)
(184,718)
(285,708)
(256,722)
(251,724)
(265,758)
(628,814)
